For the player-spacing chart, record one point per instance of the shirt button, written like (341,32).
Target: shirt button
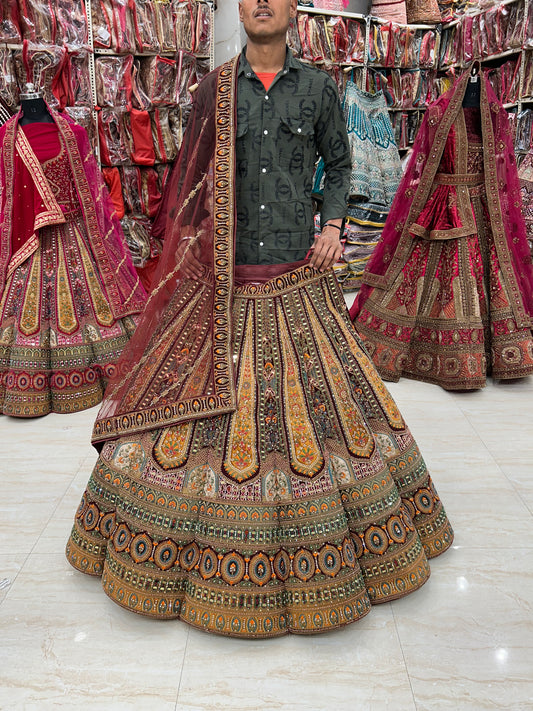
(263,170)
(266,97)
(299,130)
(265,132)
(285,71)
(261,244)
(262,207)
(248,74)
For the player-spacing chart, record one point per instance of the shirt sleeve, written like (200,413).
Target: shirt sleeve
(334,148)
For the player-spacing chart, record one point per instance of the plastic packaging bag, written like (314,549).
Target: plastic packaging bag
(10,22)
(71,23)
(8,80)
(79,78)
(203,30)
(113,81)
(158,78)
(114,148)
(144,25)
(165,28)
(184,21)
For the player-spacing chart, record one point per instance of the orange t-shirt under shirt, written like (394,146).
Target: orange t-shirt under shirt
(266,78)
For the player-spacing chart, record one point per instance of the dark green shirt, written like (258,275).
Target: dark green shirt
(280,133)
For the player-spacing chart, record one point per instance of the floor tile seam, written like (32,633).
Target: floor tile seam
(60,501)
(470,417)
(515,486)
(497,463)
(12,582)
(178,690)
(415,705)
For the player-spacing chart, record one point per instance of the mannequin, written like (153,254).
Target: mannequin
(34,109)
(472,93)
(69,294)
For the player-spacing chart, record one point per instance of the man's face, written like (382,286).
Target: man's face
(266,19)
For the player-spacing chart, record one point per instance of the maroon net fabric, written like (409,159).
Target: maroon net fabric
(186,321)
(502,186)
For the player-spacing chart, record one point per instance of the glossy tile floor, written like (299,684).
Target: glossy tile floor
(464,641)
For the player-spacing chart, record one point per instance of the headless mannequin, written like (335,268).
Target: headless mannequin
(34,111)
(34,108)
(473,88)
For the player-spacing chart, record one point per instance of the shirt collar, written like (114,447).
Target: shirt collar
(244,67)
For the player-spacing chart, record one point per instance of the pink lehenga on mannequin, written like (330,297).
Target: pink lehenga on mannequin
(68,289)
(447,296)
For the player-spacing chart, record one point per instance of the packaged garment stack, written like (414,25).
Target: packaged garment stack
(490,35)
(451,9)
(386,77)
(148,55)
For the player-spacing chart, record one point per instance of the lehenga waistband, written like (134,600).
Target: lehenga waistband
(297,274)
(459,178)
(261,273)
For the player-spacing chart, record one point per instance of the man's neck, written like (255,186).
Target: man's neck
(266,57)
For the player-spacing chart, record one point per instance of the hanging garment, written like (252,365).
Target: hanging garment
(390,10)
(376,165)
(255,477)
(69,292)
(448,293)
(422,11)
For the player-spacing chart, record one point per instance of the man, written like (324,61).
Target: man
(255,476)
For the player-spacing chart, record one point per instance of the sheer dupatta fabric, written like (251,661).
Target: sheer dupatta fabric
(411,217)
(178,366)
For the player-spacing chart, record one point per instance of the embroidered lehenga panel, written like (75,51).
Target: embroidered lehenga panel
(452,310)
(295,513)
(59,337)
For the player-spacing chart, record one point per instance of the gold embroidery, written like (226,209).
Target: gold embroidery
(387,403)
(241,461)
(66,317)
(101,305)
(29,320)
(171,450)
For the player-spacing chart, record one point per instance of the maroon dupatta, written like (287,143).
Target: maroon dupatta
(178,366)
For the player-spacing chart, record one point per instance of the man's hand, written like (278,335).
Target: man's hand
(327,248)
(191,267)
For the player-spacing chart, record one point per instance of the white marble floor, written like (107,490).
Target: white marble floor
(464,641)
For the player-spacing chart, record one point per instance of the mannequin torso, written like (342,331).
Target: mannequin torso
(34,111)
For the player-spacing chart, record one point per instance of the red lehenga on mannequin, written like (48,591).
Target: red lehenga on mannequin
(68,289)
(447,296)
